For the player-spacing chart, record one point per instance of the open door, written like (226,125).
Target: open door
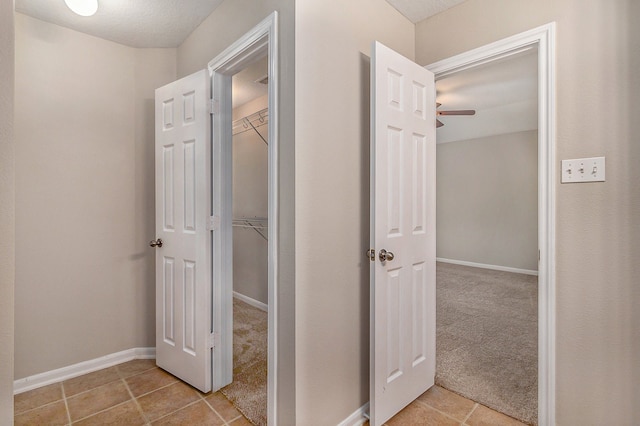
(403,318)
(183,242)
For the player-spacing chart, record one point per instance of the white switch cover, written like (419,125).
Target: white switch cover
(583,170)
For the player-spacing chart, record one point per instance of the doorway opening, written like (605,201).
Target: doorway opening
(542,40)
(244,186)
(487,235)
(250,224)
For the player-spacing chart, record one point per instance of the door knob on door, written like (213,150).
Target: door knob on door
(385,255)
(156,243)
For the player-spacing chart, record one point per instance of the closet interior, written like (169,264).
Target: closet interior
(248,391)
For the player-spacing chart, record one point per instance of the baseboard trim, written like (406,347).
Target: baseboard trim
(485,266)
(358,417)
(75,370)
(253,302)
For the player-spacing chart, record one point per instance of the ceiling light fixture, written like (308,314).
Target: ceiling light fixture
(83,7)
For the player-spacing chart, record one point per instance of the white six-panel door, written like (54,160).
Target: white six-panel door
(402,223)
(183,200)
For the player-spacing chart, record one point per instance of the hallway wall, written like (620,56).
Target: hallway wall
(84,195)
(7,211)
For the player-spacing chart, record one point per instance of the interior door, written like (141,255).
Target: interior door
(402,233)
(183,242)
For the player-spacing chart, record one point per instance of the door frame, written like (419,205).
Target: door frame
(259,42)
(542,38)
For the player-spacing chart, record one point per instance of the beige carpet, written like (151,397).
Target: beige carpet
(248,392)
(487,344)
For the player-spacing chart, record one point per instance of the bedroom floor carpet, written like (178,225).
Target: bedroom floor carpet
(487,332)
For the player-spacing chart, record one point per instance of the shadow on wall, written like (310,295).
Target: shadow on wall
(365,125)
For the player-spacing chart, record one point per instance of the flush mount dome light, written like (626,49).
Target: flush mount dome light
(83,7)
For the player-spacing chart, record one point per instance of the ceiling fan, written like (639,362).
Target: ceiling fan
(453,112)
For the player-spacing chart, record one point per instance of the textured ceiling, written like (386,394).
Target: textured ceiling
(417,10)
(136,23)
(504,94)
(166,23)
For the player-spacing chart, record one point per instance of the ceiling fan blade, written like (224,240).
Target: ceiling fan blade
(458,112)
(439,123)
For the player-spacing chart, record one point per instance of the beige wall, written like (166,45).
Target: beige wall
(225,25)
(250,199)
(487,200)
(153,68)
(84,195)
(598,225)
(333,42)
(7,212)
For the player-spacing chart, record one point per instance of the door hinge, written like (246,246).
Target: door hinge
(212,342)
(213,107)
(213,223)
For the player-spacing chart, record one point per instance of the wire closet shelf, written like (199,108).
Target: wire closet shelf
(258,224)
(252,122)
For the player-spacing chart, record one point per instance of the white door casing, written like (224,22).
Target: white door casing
(183,205)
(402,222)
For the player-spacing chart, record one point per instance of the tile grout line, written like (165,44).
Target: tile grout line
(213,409)
(122,376)
(470,412)
(38,407)
(135,401)
(157,389)
(95,387)
(108,408)
(100,412)
(175,411)
(66,405)
(434,408)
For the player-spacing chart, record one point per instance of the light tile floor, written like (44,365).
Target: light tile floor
(133,393)
(139,393)
(438,406)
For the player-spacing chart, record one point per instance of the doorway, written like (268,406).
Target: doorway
(487,241)
(542,39)
(250,224)
(260,44)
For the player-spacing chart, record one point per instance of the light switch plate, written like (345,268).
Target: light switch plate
(583,170)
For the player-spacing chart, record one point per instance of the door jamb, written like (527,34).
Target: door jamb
(543,38)
(260,41)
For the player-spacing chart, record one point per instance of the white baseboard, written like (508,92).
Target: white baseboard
(358,417)
(253,302)
(75,370)
(485,266)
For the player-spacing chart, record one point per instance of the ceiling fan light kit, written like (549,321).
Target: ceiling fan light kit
(83,7)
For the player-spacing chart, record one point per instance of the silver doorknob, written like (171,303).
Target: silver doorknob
(156,243)
(385,255)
